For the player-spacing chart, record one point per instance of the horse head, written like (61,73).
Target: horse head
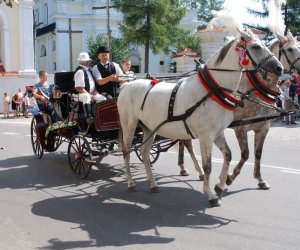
(287,48)
(255,55)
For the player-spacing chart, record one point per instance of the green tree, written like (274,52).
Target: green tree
(204,8)
(292,16)
(290,13)
(152,23)
(119,48)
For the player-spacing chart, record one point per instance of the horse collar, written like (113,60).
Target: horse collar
(221,95)
(260,89)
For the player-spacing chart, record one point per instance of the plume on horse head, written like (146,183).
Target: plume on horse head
(227,22)
(275,21)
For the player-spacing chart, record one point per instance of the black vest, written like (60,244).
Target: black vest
(110,87)
(86,79)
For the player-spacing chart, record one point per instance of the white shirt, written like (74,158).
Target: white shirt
(79,78)
(97,74)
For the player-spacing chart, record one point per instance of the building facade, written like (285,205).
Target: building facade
(16,39)
(64,26)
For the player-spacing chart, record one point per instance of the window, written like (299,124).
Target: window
(43,51)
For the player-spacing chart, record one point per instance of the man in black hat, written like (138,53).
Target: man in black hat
(106,74)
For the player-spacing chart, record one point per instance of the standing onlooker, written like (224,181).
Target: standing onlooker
(6,102)
(26,102)
(22,105)
(15,105)
(106,74)
(293,87)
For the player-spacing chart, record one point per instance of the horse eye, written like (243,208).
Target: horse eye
(256,46)
(290,49)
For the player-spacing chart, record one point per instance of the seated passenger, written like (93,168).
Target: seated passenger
(42,92)
(85,86)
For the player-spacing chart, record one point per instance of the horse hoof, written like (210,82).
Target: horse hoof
(218,190)
(132,189)
(229,180)
(184,172)
(215,202)
(263,185)
(201,177)
(154,190)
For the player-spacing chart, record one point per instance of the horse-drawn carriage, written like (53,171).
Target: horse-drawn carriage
(87,144)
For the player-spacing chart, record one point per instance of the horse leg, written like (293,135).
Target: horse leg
(206,150)
(241,135)
(145,151)
(258,147)
(189,145)
(221,143)
(183,170)
(126,135)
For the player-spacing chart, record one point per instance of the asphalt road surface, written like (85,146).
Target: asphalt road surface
(44,206)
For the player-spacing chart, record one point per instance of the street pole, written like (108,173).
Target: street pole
(108,26)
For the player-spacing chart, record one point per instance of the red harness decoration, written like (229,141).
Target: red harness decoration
(154,81)
(225,94)
(260,89)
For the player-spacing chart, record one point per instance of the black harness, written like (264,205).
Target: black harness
(282,51)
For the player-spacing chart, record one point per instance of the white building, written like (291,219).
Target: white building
(64,27)
(16,40)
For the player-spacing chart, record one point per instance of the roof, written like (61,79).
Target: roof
(10,73)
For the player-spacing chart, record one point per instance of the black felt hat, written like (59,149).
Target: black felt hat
(102,49)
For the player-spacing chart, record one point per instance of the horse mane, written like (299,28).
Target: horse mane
(272,46)
(223,52)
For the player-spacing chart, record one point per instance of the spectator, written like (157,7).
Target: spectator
(15,104)
(106,74)
(6,102)
(22,105)
(292,88)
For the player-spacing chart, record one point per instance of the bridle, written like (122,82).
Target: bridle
(282,51)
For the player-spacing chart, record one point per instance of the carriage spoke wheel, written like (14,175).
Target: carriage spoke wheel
(80,156)
(154,154)
(36,140)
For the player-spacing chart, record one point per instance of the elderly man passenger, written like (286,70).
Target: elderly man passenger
(85,86)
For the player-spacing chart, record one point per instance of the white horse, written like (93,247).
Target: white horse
(138,102)
(287,49)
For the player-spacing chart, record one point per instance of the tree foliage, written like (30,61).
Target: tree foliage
(204,8)
(152,23)
(119,48)
(290,14)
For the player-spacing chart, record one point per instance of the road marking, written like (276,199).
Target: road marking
(282,169)
(10,133)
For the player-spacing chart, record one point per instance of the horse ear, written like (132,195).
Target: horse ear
(280,37)
(289,35)
(245,34)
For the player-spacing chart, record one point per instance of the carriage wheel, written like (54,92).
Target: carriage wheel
(36,140)
(80,156)
(154,154)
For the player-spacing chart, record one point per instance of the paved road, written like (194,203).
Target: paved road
(43,206)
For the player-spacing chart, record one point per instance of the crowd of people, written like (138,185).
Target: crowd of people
(18,103)
(96,83)
(290,97)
